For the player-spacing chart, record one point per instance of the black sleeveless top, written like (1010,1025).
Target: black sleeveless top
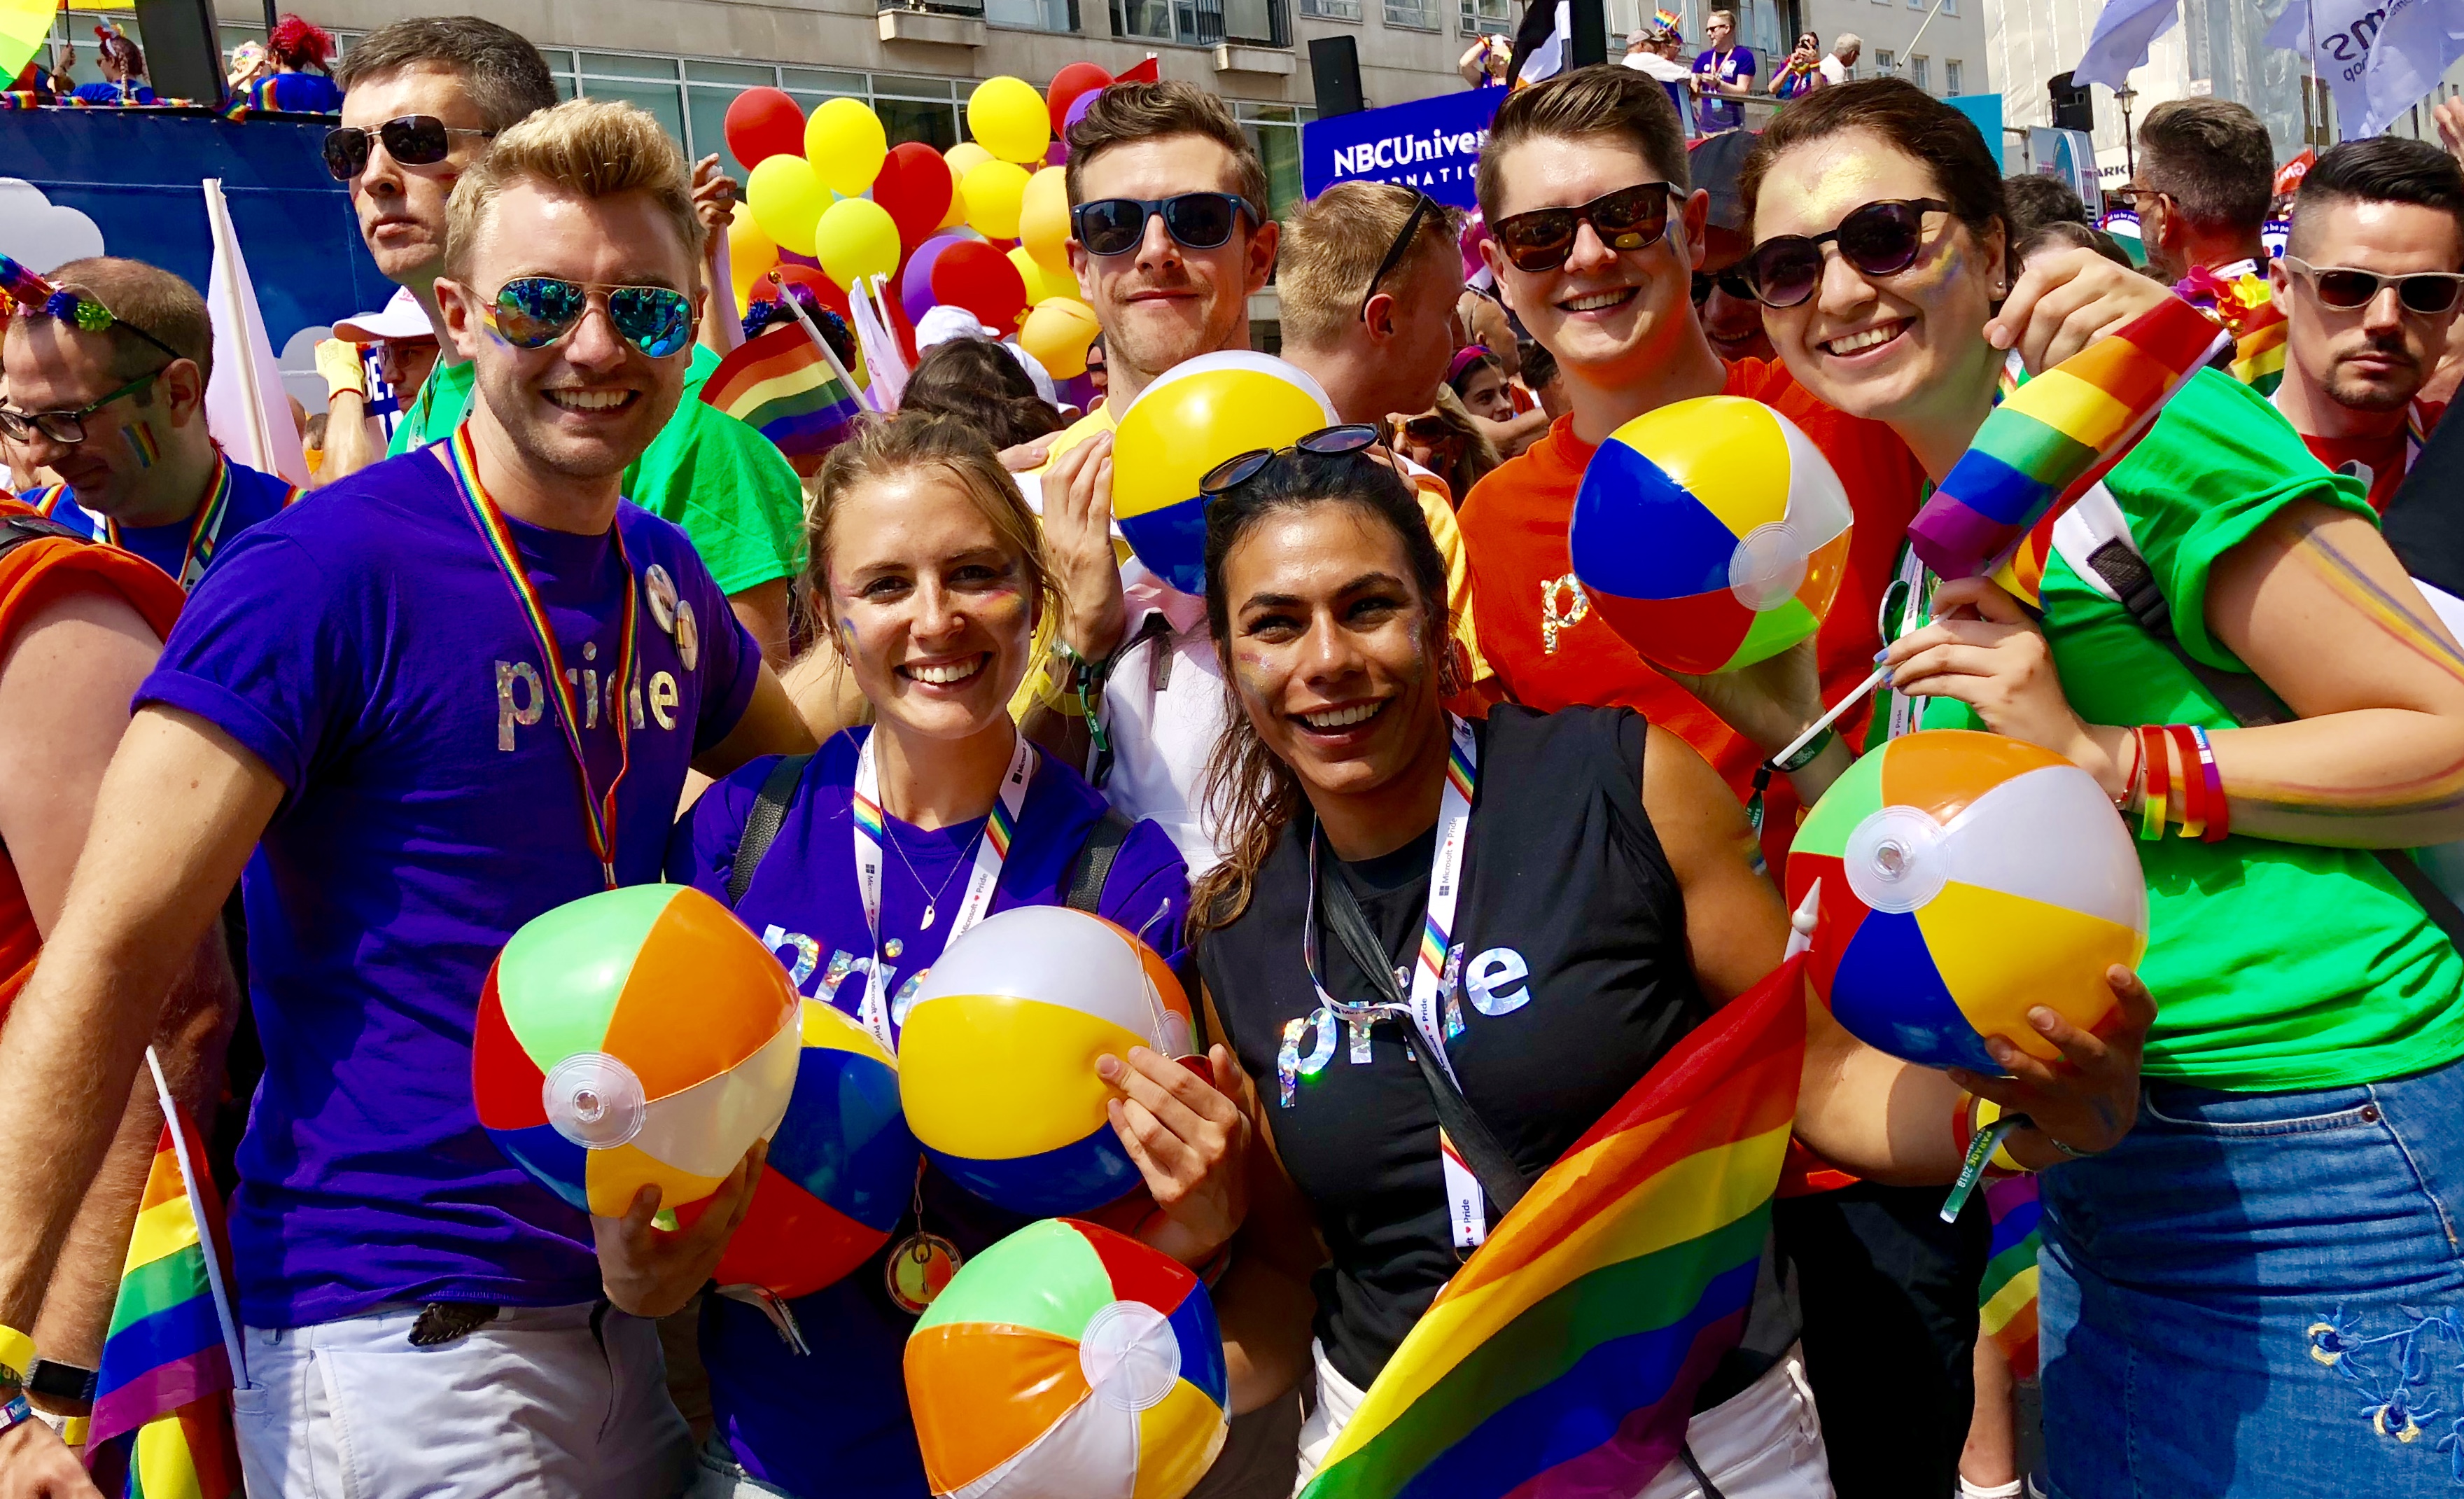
(1575,980)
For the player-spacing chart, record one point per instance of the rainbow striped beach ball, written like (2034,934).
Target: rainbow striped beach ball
(1200,412)
(1710,534)
(1068,1361)
(997,1061)
(636,1036)
(1966,878)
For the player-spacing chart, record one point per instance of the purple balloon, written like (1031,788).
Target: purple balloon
(790,258)
(916,287)
(1077,109)
(1057,154)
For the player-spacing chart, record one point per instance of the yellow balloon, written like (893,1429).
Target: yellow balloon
(856,238)
(1044,220)
(1058,333)
(1007,115)
(786,198)
(963,158)
(994,192)
(845,142)
(750,253)
(1039,281)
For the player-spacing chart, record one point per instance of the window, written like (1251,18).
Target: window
(1950,78)
(1332,9)
(1418,15)
(1487,17)
(1884,63)
(1203,23)
(1920,73)
(1275,130)
(1951,7)
(1036,15)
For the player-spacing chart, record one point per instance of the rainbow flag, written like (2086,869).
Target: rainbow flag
(1564,1356)
(162,1425)
(2055,436)
(2006,1300)
(781,384)
(1664,19)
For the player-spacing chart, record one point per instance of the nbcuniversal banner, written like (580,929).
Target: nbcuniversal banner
(1429,144)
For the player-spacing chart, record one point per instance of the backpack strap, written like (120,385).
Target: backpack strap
(16,531)
(761,826)
(1083,890)
(2101,550)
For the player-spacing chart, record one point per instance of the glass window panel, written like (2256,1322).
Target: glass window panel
(1332,9)
(820,81)
(1920,73)
(913,119)
(1418,15)
(743,75)
(662,99)
(1481,18)
(706,112)
(1279,146)
(1043,16)
(563,86)
(899,86)
(559,59)
(616,65)
(1950,78)
(1147,18)
(1266,113)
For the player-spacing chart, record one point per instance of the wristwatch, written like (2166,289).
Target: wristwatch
(56,1380)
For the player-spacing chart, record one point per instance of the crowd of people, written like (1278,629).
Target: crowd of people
(566,628)
(290,72)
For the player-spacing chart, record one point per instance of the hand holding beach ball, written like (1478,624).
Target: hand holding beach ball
(997,1058)
(638,1037)
(1710,534)
(1068,1360)
(1965,879)
(1200,412)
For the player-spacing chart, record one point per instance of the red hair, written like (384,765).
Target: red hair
(301,43)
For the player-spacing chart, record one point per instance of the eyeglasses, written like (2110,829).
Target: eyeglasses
(2349,289)
(1421,206)
(1630,218)
(536,311)
(1327,442)
(1879,239)
(412,140)
(1195,220)
(66,428)
(1731,280)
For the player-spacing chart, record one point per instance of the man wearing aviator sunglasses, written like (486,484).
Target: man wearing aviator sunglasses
(2370,286)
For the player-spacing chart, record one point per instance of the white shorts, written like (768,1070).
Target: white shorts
(539,1402)
(1762,1442)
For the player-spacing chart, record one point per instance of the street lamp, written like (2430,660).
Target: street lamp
(2126,96)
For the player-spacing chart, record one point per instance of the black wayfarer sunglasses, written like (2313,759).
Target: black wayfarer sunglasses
(412,140)
(1195,220)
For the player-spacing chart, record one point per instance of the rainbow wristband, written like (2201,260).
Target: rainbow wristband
(15,1413)
(2159,782)
(2194,787)
(2219,811)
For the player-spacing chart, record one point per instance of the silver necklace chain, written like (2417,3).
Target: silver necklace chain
(931,897)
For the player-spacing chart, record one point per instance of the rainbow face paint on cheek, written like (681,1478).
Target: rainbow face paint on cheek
(140,444)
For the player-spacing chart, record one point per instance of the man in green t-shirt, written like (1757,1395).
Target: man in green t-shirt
(421,98)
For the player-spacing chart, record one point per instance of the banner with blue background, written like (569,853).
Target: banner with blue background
(1429,144)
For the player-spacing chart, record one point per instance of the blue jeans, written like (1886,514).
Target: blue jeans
(2261,1294)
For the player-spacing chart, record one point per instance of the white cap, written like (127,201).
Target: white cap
(945,322)
(402,319)
(1037,375)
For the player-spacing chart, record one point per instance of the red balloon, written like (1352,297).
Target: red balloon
(763,123)
(981,278)
(828,292)
(914,186)
(1079,77)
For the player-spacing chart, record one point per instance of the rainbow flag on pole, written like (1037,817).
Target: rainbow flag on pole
(1564,1356)
(781,384)
(1664,19)
(162,1425)
(2007,1299)
(2055,436)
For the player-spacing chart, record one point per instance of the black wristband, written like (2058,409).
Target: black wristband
(60,1382)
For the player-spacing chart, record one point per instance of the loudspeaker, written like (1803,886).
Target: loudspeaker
(2073,108)
(183,53)
(1334,69)
(1587,22)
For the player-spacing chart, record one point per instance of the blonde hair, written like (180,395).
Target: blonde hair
(884,450)
(1332,246)
(594,146)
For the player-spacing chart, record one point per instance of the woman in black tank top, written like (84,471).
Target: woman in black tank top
(1605,907)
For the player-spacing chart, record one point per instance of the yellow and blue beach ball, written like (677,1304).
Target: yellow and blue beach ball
(1710,534)
(997,1061)
(1200,412)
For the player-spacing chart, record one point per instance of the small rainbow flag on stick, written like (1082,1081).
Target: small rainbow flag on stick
(781,384)
(162,1425)
(1563,1358)
(1664,19)
(2057,435)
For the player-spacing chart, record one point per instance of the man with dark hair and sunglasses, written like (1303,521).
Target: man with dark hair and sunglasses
(454,691)
(2369,284)
(117,411)
(422,99)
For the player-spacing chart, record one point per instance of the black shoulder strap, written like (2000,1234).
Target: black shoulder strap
(761,826)
(1093,864)
(1499,1176)
(15,531)
(2247,698)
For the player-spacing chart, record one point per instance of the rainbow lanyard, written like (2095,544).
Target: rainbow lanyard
(205,531)
(1436,1007)
(999,830)
(599,811)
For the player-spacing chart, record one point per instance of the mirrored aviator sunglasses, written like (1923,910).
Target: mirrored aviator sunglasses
(1879,239)
(1630,218)
(536,311)
(1327,442)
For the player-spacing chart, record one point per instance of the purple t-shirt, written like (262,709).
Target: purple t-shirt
(1736,65)
(368,650)
(835,1422)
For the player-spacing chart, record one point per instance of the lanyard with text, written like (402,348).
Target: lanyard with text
(599,809)
(1001,827)
(1433,1009)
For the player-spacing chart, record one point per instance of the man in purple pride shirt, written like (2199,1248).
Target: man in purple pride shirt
(360,684)
(1723,74)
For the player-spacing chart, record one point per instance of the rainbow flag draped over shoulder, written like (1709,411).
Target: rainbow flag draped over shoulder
(781,384)
(2006,1300)
(162,1425)
(1564,1356)
(2054,437)
(2245,305)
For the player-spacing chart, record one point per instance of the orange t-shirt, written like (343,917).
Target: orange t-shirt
(1550,649)
(32,575)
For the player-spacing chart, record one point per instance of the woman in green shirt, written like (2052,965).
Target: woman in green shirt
(2260,1292)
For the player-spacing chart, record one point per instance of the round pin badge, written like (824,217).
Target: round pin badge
(919,1268)
(687,635)
(659,591)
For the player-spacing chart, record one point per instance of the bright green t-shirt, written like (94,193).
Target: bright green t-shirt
(723,483)
(2276,966)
